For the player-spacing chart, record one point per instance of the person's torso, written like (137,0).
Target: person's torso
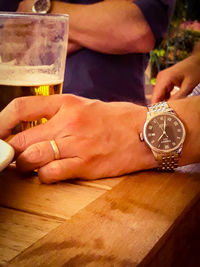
(96,75)
(106,77)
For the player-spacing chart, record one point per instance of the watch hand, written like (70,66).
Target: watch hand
(164,123)
(160,137)
(165,127)
(165,134)
(160,126)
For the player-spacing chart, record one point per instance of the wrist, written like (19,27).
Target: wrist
(65,8)
(188,110)
(145,155)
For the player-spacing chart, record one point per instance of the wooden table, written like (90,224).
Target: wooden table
(146,219)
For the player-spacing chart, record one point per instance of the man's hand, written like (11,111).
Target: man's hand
(25,6)
(185,74)
(95,139)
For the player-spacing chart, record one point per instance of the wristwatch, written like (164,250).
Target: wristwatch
(41,6)
(164,133)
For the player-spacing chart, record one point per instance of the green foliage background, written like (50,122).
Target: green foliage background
(177,44)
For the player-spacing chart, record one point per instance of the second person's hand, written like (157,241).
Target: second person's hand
(185,75)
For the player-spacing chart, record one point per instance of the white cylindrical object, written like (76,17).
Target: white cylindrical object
(6,154)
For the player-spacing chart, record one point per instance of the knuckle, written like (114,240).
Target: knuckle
(16,106)
(160,75)
(76,121)
(34,153)
(19,142)
(164,74)
(70,99)
(53,170)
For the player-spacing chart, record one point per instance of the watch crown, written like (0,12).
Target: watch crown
(141,136)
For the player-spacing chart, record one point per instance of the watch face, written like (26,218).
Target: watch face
(164,132)
(41,6)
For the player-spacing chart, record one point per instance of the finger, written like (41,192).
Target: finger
(21,141)
(162,87)
(57,127)
(61,170)
(54,128)
(27,109)
(161,93)
(40,154)
(165,83)
(186,88)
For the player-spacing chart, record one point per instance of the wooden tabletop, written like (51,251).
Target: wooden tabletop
(142,219)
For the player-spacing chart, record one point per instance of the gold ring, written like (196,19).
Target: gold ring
(55,149)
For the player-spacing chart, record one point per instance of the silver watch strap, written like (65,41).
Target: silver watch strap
(169,161)
(159,107)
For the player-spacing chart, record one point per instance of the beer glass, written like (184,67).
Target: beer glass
(33,50)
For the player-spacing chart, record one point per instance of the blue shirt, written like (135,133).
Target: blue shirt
(112,77)
(116,77)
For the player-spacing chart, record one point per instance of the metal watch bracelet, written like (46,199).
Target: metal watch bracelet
(159,107)
(169,161)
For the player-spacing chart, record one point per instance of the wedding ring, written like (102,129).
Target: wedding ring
(55,149)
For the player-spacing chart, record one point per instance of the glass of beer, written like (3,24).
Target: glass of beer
(33,49)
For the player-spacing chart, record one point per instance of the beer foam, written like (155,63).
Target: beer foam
(11,74)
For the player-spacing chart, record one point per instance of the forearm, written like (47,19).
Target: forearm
(73,47)
(188,110)
(115,27)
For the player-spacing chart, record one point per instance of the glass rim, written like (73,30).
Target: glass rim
(30,14)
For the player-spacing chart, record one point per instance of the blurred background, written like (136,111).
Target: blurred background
(182,36)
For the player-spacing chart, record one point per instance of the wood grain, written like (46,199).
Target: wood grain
(60,200)
(181,248)
(19,230)
(32,207)
(127,226)
(106,184)
(111,182)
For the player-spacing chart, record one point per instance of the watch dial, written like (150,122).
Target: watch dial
(41,6)
(164,132)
